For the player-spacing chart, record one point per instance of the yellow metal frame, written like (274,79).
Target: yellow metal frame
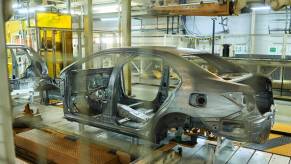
(53,20)
(50,23)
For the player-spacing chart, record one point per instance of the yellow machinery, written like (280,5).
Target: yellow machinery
(14,35)
(54,33)
(14,31)
(55,40)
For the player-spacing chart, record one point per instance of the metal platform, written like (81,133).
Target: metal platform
(207,153)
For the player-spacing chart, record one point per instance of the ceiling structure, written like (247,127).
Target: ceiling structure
(111,8)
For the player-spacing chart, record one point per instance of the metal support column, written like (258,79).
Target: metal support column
(88,36)
(100,41)
(126,23)
(173,24)
(88,29)
(253,28)
(284,48)
(7,146)
(178,25)
(126,38)
(54,54)
(69,6)
(213,35)
(45,46)
(79,33)
(167,24)
(38,41)
(282,72)
(64,50)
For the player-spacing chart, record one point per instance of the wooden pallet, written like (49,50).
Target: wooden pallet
(56,149)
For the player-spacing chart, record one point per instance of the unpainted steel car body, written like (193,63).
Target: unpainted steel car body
(239,107)
(28,72)
(25,67)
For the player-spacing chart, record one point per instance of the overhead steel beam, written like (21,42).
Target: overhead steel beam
(203,9)
(69,6)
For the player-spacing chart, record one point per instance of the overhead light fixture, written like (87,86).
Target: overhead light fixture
(73,12)
(109,19)
(31,10)
(15,5)
(64,11)
(106,9)
(260,8)
(135,3)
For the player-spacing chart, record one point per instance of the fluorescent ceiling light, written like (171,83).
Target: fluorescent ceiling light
(30,10)
(73,12)
(258,8)
(109,19)
(64,11)
(106,9)
(135,3)
(15,6)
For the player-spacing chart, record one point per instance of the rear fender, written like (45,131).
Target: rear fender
(160,127)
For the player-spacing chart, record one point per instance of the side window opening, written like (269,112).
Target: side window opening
(142,77)
(146,83)
(89,83)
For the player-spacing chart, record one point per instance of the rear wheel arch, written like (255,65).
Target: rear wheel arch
(163,124)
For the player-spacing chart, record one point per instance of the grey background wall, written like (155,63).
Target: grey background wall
(246,32)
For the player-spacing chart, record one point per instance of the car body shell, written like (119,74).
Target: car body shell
(222,115)
(34,72)
(35,77)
